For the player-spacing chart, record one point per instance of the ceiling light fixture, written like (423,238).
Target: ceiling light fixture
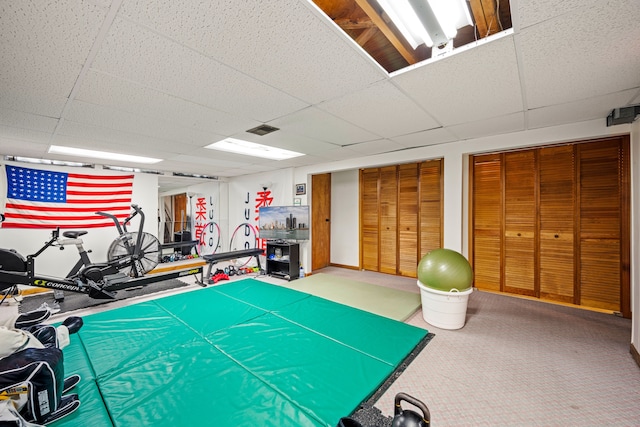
(80,152)
(48,162)
(427,21)
(247,148)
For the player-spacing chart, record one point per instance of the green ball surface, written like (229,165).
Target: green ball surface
(444,270)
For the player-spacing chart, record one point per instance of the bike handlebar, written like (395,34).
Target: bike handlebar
(123,229)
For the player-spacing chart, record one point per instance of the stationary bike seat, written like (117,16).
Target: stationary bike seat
(73,234)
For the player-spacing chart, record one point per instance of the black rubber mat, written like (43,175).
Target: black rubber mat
(74,301)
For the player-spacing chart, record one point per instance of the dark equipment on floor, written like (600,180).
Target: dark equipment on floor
(408,418)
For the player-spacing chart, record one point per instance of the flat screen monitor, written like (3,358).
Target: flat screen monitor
(283,222)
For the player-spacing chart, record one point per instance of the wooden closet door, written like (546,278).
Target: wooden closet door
(388,219)
(430,185)
(557,223)
(520,222)
(408,219)
(369,225)
(600,224)
(487,221)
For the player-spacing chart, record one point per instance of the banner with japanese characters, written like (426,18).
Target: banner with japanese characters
(246,197)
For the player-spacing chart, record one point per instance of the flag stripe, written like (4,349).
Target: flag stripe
(95,193)
(38,207)
(48,199)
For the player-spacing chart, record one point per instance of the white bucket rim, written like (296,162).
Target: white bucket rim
(453,291)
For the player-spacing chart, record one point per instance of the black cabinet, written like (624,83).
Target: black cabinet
(283,260)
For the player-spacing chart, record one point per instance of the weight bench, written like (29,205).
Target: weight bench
(225,256)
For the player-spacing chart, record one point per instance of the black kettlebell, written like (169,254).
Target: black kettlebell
(407,418)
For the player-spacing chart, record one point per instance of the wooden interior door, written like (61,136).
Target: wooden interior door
(601,196)
(180,212)
(557,223)
(408,219)
(486,256)
(369,219)
(320,221)
(388,220)
(520,222)
(430,206)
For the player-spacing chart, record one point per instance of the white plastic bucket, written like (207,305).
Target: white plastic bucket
(445,310)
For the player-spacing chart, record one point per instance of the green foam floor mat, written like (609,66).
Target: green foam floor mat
(242,353)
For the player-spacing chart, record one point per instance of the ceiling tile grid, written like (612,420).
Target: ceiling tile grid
(383,109)
(578,111)
(63,29)
(106,117)
(532,12)
(254,37)
(136,54)
(315,123)
(102,89)
(582,54)
(30,101)
(477,84)
(22,120)
(492,126)
(425,138)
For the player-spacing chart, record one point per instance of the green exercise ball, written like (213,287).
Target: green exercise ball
(444,270)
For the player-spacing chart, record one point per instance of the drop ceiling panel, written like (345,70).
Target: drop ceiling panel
(323,63)
(375,147)
(532,12)
(383,109)
(585,109)
(581,54)
(428,137)
(62,29)
(137,54)
(127,96)
(109,118)
(314,123)
(38,73)
(20,146)
(30,101)
(476,84)
(493,126)
(19,119)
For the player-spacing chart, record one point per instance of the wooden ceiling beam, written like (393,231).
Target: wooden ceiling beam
(355,24)
(485,13)
(377,19)
(366,35)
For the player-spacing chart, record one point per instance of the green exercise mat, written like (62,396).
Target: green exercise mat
(242,353)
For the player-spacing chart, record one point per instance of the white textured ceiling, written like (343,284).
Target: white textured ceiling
(166,78)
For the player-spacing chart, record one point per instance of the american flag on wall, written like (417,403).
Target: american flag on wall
(48,199)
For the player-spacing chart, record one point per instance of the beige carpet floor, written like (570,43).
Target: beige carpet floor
(392,303)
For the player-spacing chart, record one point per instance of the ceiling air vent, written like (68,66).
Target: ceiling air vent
(262,130)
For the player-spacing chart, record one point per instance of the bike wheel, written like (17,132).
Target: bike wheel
(122,253)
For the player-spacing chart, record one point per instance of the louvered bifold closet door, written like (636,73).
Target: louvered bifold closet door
(407,219)
(601,193)
(520,222)
(487,221)
(557,223)
(388,219)
(369,224)
(430,186)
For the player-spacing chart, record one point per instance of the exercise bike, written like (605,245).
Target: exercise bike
(129,257)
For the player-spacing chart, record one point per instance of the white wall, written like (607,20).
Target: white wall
(345,218)
(54,262)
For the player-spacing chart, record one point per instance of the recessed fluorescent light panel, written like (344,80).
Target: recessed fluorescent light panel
(79,152)
(247,148)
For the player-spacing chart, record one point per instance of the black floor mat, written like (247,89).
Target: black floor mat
(75,301)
